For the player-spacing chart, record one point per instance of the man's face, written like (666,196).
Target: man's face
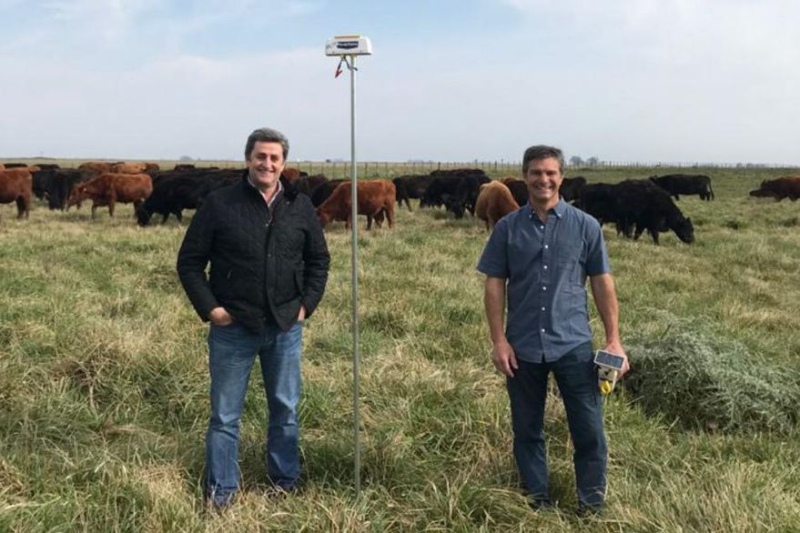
(265,164)
(543,179)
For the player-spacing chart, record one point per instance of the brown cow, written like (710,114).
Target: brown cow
(494,202)
(96,167)
(16,185)
(136,167)
(292,174)
(779,188)
(109,188)
(376,198)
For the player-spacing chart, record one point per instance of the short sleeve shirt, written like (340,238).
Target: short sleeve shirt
(545,265)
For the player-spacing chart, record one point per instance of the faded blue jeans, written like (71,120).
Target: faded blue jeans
(577,381)
(232,350)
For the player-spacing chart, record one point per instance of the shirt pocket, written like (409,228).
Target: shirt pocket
(570,258)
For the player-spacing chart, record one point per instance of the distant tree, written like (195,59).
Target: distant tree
(575,160)
(185,158)
(593,161)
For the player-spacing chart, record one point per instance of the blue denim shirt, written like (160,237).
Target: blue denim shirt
(545,265)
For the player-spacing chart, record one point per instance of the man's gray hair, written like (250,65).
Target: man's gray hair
(542,151)
(266,135)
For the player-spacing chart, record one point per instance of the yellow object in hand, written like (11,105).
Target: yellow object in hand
(605,387)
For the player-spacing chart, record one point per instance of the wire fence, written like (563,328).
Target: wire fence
(341,169)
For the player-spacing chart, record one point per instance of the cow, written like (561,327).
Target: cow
(293,174)
(779,188)
(110,188)
(636,206)
(16,185)
(306,184)
(376,198)
(571,187)
(182,190)
(10,166)
(55,185)
(322,192)
(494,202)
(411,187)
(466,194)
(96,167)
(677,184)
(456,189)
(518,189)
(128,168)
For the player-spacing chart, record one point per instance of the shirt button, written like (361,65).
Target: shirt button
(542,330)
(542,308)
(545,267)
(544,287)
(546,247)
(541,227)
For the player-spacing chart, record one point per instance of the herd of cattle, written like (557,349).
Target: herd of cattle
(634,206)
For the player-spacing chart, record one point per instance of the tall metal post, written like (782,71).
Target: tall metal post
(347,47)
(354,272)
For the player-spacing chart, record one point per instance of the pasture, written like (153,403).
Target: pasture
(103,381)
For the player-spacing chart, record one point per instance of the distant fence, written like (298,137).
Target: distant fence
(341,169)
(386,169)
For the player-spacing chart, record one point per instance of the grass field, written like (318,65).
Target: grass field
(103,382)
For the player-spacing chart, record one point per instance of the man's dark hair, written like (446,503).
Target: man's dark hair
(542,151)
(266,135)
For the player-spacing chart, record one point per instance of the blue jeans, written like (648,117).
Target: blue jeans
(232,350)
(577,380)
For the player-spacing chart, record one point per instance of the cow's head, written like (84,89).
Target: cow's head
(76,196)
(324,218)
(143,216)
(684,229)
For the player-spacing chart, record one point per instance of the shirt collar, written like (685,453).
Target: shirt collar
(274,196)
(558,210)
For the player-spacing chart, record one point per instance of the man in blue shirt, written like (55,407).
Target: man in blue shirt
(536,261)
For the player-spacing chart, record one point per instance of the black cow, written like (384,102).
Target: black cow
(306,184)
(677,184)
(411,186)
(779,188)
(518,188)
(321,192)
(456,189)
(635,206)
(184,189)
(571,187)
(55,185)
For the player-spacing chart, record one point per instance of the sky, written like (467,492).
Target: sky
(671,81)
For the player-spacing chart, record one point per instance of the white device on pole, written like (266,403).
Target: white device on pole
(347,47)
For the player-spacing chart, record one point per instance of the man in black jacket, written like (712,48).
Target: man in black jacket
(269,265)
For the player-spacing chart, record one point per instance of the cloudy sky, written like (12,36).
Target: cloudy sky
(450,80)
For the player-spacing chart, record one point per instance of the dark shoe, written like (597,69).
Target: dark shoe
(589,511)
(218,503)
(540,504)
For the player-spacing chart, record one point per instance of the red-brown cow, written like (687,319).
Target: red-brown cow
(16,185)
(494,202)
(375,199)
(135,167)
(108,189)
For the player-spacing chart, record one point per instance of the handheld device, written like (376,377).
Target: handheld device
(608,367)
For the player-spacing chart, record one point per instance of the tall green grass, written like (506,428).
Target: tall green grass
(103,382)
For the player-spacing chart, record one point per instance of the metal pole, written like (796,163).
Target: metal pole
(354,274)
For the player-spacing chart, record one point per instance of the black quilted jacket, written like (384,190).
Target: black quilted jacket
(263,267)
